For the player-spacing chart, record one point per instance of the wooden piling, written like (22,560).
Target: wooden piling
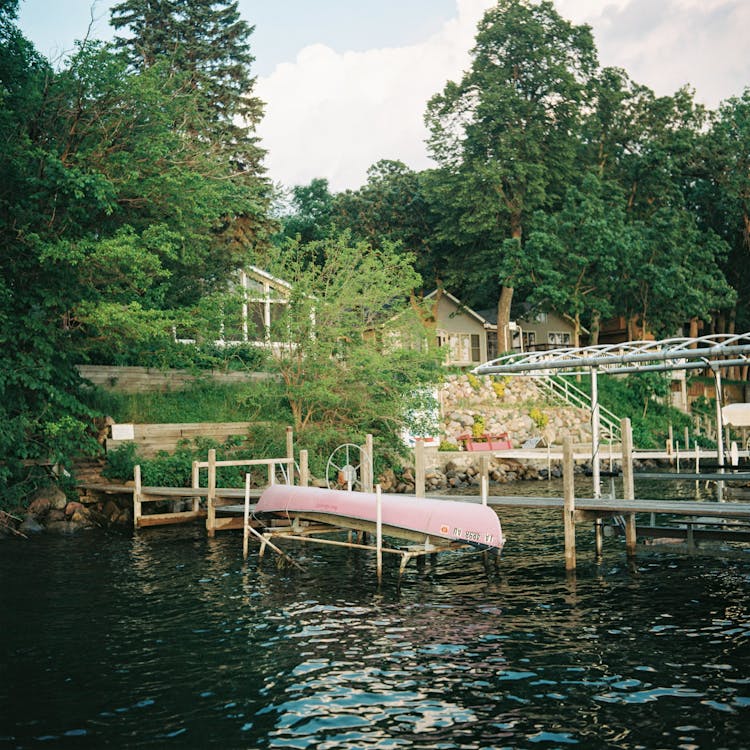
(419,468)
(379,531)
(246,517)
(598,537)
(304,469)
(137,495)
(569,504)
(628,485)
(290,452)
(196,483)
(368,465)
(211,493)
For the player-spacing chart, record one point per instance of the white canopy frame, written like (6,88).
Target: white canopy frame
(712,352)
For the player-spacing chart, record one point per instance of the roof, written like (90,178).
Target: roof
(477,316)
(270,278)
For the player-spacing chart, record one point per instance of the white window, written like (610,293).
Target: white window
(558,338)
(463,347)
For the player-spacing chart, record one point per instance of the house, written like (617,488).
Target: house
(532,332)
(250,319)
(460,331)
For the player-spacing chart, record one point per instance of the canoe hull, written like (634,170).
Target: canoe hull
(413,518)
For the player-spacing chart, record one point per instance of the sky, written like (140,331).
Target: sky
(346,83)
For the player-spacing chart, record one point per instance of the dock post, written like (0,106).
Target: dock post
(484,471)
(379,531)
(569,504)
(196,482)
(304,470)
(628,486)
(211,493)
(598,537)
(137,496)
(290,454)
(368,464)
(419,471)
(246,519)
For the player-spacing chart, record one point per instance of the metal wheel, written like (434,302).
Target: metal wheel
(344,469)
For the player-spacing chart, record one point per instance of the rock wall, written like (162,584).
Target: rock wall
(514,405)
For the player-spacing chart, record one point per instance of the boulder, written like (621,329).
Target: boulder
(39,507)
(30,525)
(73,507)
(54,495)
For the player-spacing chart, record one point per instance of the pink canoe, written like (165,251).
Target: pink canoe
(424,520)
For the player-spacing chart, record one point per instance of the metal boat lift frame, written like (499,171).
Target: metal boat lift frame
(714,352)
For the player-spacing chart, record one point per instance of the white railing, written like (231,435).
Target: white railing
(562,388)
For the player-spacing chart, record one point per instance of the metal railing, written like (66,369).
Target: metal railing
(562,388)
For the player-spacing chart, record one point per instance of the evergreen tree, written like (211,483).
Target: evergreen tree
(207,44)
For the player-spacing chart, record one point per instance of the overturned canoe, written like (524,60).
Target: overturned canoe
(418,519)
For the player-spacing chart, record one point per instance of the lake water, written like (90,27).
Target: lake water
(166,638)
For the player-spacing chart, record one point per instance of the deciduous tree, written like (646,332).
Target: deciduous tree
(506,133)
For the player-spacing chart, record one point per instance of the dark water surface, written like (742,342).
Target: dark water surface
(166,638)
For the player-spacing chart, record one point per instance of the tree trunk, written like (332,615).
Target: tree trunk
(596,322)
(693,331)
(504,342)
(504,339)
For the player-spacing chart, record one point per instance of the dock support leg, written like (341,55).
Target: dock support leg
(630,535)
(569,505)
(137,508)
(598,536)
(419,468)
(211,493)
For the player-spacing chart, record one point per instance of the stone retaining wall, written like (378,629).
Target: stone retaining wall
(513,405)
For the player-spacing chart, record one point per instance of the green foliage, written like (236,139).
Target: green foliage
(447,447)
(473,381)
(175,469)
(355,346)
(163,352)
(498,385)
(203,402)
(625,395)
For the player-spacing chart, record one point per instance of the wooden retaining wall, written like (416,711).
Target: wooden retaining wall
(150,379)
(152,438)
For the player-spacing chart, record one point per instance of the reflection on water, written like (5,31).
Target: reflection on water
(167,638)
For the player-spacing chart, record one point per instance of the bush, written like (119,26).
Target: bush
(166,353)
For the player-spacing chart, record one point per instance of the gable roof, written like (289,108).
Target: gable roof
(270,278)
(464,308)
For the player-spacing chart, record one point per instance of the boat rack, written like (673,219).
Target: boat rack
(311,532)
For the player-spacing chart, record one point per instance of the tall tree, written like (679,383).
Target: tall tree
(574,257)
(205,45)
(351,364)
(208,43)
(721,195)
(391,206)
(506,132)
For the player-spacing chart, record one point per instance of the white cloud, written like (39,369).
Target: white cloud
(666,44)
(332,115)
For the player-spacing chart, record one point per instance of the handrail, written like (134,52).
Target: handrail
(580,399)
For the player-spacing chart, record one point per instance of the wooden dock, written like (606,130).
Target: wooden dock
(678,519)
